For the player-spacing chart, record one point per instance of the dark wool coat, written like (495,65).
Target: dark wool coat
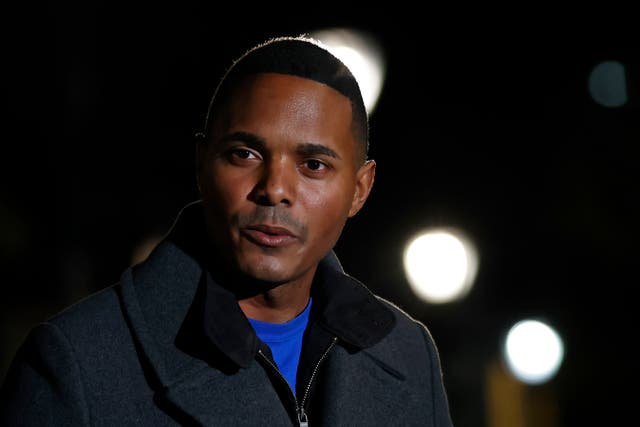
(168,345)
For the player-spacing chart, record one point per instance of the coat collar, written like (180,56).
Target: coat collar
(185,321)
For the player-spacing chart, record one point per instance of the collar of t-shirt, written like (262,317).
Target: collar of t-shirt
(285,342)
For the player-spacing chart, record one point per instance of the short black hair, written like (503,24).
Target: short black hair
(300,56)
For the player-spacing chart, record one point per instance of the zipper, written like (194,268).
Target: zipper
(291,393)
(313,376)
(302,416)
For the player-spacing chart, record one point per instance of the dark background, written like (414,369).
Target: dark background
(484,127)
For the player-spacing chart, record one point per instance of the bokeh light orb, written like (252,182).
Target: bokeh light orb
(608,84)
(440,265)
(533,351)
(362,54)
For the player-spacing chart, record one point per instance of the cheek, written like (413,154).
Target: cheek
(329,209)
(223,194)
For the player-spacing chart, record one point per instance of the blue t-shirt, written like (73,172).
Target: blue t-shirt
(285,342)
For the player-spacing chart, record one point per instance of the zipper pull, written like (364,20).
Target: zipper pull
(302,418)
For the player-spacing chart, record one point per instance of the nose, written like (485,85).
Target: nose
(276,183)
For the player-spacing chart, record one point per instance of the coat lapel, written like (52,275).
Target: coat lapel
(156,308)
(209,397)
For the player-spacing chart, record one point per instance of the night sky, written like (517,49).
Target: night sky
(491,131)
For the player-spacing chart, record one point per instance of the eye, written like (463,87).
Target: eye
(315,165)
(242,156)
(242,153)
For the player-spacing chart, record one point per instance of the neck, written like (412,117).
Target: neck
(277,305)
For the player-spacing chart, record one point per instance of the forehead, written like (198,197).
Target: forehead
(286,103)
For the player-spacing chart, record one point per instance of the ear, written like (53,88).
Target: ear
(364,182)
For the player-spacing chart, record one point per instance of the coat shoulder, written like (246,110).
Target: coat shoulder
(410,352)
(90,315)
(409,346)
(407,327)
(97,328)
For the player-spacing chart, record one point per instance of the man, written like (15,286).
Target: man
(242,315)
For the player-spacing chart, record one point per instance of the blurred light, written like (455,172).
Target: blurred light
(440,265)
(362,55)
(608,84)
(533,351)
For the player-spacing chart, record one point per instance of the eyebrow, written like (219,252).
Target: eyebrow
(309,149)
(252,140)
(306,149)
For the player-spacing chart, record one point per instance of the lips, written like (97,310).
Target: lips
(269,235)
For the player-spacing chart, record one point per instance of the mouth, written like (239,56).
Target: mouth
(269,236)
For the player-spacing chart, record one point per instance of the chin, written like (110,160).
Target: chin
(268,275)
(267,271)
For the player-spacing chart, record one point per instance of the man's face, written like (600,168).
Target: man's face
(279,176)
